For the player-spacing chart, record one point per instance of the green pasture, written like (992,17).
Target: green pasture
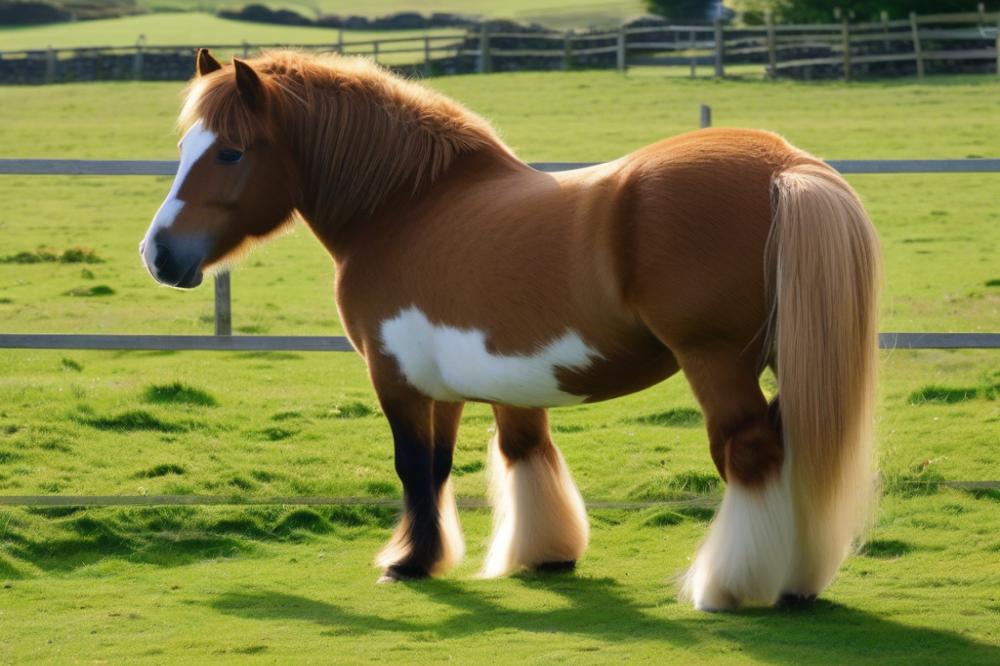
(188,22)
(285,584)
(555,13)
(186,29)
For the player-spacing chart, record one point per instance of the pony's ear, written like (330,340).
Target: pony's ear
(207,62)
(248,83)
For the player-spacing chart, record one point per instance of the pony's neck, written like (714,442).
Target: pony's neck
(383,141)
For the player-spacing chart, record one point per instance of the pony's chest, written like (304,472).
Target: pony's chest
(453,364)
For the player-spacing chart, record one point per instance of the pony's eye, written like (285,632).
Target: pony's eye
(229,156)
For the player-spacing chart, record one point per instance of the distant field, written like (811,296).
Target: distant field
(182,28)
(194,26)
(288,585)
(556,13)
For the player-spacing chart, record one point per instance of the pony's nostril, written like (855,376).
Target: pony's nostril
(162,255)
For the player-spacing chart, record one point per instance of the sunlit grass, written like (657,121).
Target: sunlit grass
(290,584)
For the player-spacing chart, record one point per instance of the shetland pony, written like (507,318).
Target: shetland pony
(464,274)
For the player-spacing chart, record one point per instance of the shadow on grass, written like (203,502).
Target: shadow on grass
(599,609)
(169,536)
(166,549)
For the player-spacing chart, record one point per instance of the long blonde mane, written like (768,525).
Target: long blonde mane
(358,132)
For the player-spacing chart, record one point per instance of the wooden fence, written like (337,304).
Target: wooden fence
(780,49)
(223,340)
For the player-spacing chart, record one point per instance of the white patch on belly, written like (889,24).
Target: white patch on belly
(448,363)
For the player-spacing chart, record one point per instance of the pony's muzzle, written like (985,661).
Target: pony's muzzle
(174,261)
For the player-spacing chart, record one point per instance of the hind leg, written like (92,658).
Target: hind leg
(539,521)
(747,554)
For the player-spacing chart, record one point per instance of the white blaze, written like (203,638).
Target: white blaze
(192,146)
(447,363)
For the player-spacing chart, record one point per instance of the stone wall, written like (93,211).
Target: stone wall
(38,67)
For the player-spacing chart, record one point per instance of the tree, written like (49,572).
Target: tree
(814,11)
(683,10)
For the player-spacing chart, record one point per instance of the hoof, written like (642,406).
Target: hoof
(397,573)
(797,601)
(719,602)
(707,595)
(565,566)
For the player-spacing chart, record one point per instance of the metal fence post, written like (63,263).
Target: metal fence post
(694,59)
(772,54)
(567,51)
(428,68)
(845,38)
(917,51)
(998,47)
(622,46)
(50,65)
(720,47)
(484,48)
(223,305)
(246,49)
(705,116)
(340,40)
(137,58)
(375,46)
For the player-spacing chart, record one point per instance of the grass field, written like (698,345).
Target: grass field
(279,584)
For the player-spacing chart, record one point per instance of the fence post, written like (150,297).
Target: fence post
(705,116)
(340,41)
(484,48)
(917,51)
(375,46)
(246,49)
(137,58)
(998,47)
(884,15)
(772,54)
(427,56)
(622,46)
(694,58)
(223,305)
(50,65)
(720,46)
(845,39)
(567,52)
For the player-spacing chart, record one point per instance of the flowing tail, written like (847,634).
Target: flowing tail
(825,256)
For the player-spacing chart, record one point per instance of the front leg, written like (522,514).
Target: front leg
(447,416)
(427,539)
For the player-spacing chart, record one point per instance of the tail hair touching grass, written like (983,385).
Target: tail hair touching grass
(825,258)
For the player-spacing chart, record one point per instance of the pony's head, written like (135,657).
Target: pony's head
(233,185)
